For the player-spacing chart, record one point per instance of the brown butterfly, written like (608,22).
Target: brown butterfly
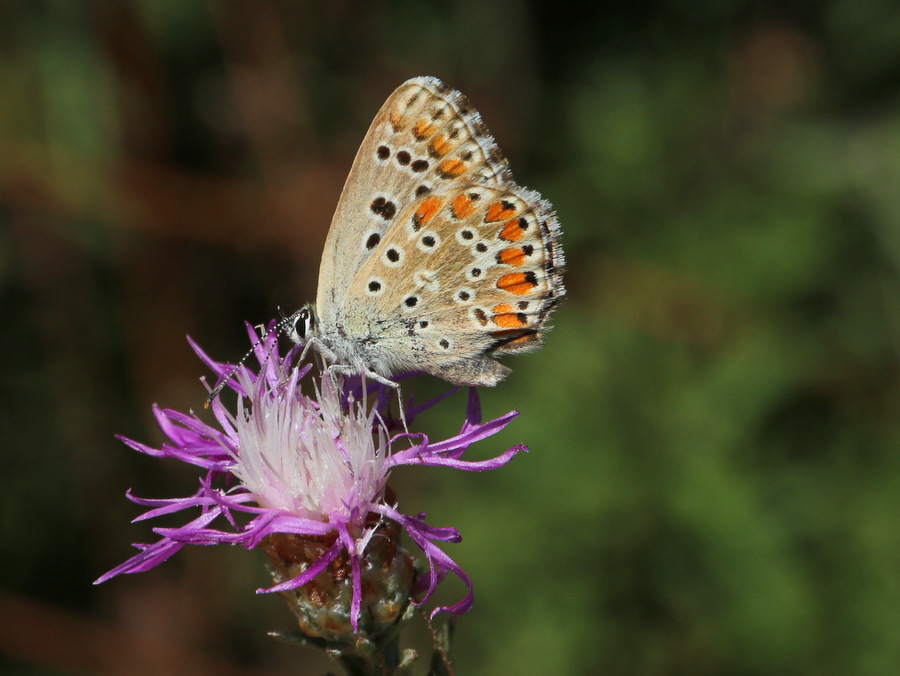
(436,260)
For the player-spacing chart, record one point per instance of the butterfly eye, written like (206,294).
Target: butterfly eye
(303,324)
(299,328)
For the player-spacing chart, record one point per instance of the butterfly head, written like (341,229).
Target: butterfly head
(301,325)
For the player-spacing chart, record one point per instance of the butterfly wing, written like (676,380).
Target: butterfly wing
(418,139)
(465,276)
(436,261)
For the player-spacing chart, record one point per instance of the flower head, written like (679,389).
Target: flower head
(305,477)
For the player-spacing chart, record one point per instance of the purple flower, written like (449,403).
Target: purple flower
(305,478)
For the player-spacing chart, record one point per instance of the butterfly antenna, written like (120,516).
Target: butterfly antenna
(278,328)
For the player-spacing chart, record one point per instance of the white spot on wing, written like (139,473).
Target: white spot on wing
(397,253)
(428,242)
(464,295)
(427,279)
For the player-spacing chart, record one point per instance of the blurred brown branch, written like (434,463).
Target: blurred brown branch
(288,211)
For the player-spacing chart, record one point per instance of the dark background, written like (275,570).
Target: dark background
(713,485)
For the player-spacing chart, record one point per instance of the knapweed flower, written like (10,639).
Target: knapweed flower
(305,478)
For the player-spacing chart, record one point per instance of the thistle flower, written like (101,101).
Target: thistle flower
(305,478)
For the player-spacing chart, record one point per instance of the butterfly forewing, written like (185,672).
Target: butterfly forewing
(425,138)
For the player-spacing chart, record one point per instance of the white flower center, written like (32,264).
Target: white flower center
(306,459)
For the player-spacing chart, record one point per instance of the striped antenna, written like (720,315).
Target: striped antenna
(278,328)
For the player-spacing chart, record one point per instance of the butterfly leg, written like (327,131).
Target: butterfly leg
(396,386)
(347,370)
(321,348)
(333,369)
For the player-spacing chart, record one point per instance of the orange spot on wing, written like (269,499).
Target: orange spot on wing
(510,321)
(463,206)
(427,210)
(440,146)
(397,121)
(502,309)
(423,130)
(452,168)
(513,231)
(512,256)
(521,341)
(499,211)
(518,283)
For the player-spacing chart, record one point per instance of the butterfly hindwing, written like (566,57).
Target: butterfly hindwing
(476,278)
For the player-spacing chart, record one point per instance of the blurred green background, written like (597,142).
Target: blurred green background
(713,485)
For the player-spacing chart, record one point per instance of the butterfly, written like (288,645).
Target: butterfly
(436,261)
